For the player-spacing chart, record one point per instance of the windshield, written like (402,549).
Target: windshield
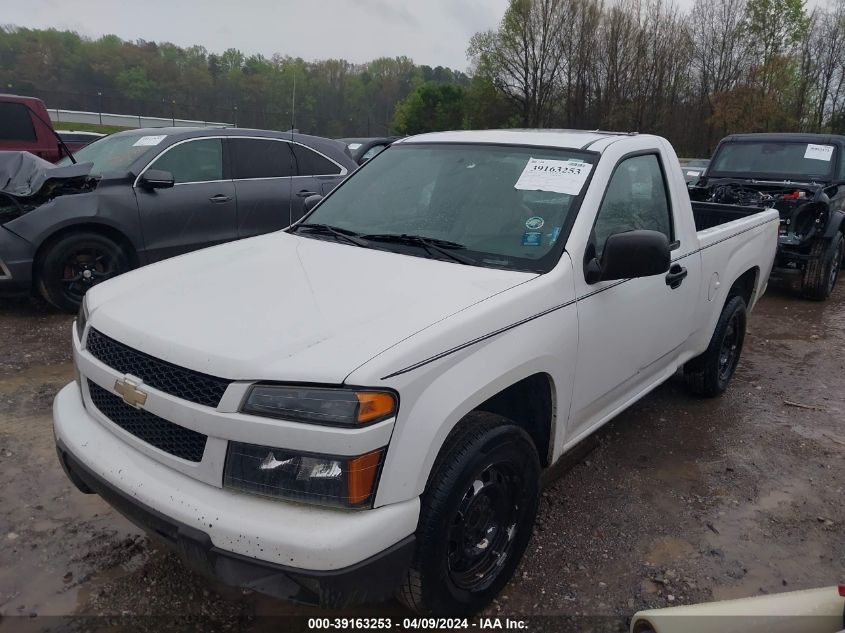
(502,206)
(774,160)
(117,152)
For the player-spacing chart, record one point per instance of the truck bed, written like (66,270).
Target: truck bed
(710,214)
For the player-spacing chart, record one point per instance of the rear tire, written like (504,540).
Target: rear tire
(74,263)
(476,519)
(708,375)
(822,268)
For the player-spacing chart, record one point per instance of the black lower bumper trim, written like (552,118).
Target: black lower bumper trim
(372,580)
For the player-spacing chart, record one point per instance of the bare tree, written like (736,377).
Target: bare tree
(524,57)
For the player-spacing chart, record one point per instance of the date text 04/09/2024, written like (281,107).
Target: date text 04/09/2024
(416,623)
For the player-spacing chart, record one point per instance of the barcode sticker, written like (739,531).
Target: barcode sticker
(149,140)
(819,152)
(560,176)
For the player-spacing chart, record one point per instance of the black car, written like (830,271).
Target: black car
(140,196)
(363,149)
(803,177)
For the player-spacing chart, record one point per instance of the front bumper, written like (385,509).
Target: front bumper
(297,552)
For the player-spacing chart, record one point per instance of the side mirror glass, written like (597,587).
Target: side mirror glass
(311,202)
(156,179)
(629,255)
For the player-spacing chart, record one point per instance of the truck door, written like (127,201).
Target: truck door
(198,211)
(630,330)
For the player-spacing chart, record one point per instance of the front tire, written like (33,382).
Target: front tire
(708,375)
(476,519)
(76,262)
(822,268)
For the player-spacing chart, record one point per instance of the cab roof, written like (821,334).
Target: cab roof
(568,139)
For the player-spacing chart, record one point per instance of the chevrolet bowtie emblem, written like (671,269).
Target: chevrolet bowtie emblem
(132,395)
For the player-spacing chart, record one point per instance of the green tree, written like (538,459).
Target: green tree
(133,82)
(431,107)
(775,28)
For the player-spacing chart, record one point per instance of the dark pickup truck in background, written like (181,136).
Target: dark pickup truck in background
(803,177)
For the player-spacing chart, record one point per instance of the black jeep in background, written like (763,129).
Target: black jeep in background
(803,177)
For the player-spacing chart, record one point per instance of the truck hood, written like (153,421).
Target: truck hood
(283,307)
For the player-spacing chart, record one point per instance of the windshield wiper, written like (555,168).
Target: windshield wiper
(432,245)
(325,229)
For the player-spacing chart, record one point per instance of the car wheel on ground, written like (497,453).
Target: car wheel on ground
(822,268)
(76,262)
(709,374)
(476,518)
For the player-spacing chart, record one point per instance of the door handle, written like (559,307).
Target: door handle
(220,198)
(304,193)
(676,275)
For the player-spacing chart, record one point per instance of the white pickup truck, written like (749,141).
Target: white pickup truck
(363,404)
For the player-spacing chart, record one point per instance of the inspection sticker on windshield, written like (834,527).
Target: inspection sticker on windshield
(560,176)
(819,152)
(149,140)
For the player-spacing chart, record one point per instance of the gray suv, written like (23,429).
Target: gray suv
(140,196)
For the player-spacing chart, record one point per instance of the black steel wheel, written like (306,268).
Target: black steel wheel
(75,263)
(710,373)
(729,351)
(476,517)
(482,530)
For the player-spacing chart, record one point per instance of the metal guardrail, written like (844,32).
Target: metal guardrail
(126,120)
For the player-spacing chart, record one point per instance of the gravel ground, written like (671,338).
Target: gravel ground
(676,501)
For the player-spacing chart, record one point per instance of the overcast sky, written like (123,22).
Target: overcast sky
(433,32)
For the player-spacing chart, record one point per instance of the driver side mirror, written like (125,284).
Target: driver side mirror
(311,201)
(629,255)
(156,179)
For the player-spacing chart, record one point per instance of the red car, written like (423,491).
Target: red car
(25,126)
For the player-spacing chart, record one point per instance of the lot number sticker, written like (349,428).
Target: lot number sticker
(149,140)
(560,176)
(819,152)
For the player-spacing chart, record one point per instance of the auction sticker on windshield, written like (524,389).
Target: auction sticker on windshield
(560,176)
(150,140)
(819,152)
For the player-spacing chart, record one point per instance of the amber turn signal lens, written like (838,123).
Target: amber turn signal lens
(361,476)
(373,405)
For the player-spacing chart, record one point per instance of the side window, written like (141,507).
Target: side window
(636,198)
(16,123)
(195,161)
(310,163)
(260,158)
(841,152)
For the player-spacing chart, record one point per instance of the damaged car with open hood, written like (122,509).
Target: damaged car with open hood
(803,177)
(140,196)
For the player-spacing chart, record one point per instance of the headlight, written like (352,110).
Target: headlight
(345,482)
(82,318)
(341,407)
